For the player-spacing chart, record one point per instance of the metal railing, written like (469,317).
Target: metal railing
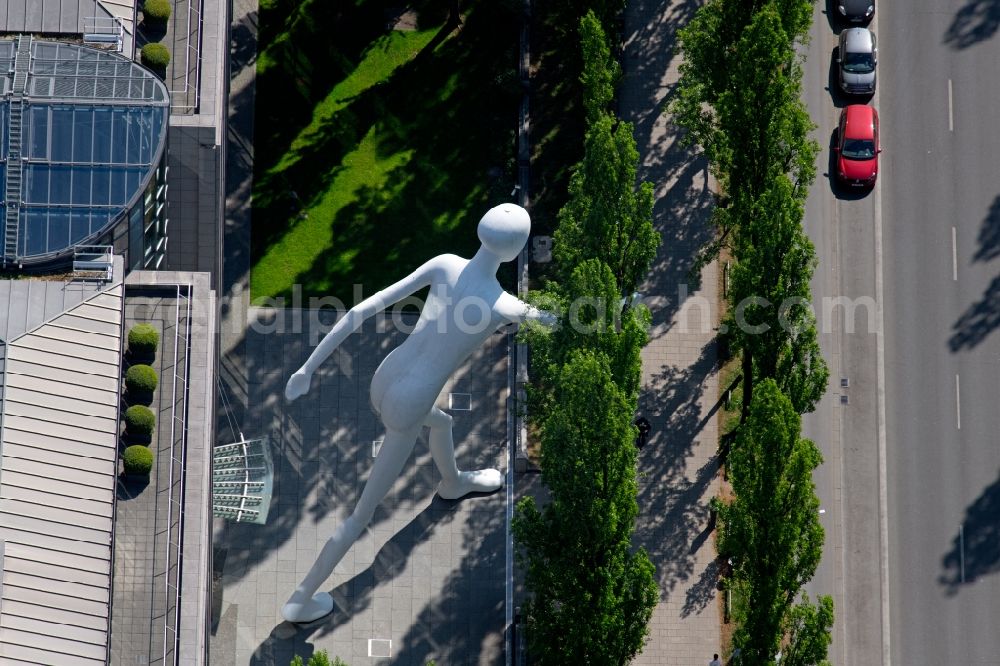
(94,261)
(104,30)
(176,476)
(191,41)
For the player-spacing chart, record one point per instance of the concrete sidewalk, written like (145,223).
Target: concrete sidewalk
(678,468)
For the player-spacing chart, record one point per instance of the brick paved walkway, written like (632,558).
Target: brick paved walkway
(678,467)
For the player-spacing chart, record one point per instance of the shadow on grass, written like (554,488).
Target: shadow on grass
(448,116)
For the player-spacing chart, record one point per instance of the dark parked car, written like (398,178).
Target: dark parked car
(856,11)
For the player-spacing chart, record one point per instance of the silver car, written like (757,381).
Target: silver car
(857,56)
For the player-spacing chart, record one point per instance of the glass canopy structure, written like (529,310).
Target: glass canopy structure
(82,147)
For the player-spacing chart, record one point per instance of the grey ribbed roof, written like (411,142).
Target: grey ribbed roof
(58,466)
(51,16)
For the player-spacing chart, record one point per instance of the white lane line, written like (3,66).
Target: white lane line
(883,482)
(958,405)
(951,112)
(954,255)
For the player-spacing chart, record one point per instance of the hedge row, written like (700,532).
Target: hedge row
(140,382)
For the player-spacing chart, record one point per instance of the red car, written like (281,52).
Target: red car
(858,148)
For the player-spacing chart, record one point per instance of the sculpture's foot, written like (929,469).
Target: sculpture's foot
(302,612)
(480,481)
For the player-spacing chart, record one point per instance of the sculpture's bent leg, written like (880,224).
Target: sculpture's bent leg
(455,484)
(305,605)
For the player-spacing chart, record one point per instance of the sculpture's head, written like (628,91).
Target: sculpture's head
(504,230)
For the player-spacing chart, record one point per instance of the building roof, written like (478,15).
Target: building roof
(81,135)
(60,378)
(69,17)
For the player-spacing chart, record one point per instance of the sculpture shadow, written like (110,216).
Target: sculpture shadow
(463,613)
(322,453)
(358,594)
(322,442)
(980,537)
(975,22)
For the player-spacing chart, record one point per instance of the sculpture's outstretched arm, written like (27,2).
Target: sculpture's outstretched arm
(514,310)
(298,384)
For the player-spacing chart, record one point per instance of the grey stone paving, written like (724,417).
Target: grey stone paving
(428,575)
(139,599)
(678,468)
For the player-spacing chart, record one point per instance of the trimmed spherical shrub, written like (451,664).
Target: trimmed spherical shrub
(139,420)
(140,379)
(143,340)
(156,11)
(155,55)
(138,459)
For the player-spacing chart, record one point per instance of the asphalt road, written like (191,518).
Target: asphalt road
(937,208)
(940,65)
(842,227)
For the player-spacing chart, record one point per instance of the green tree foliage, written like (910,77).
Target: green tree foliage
(321,658)
(772,322)
(606,217)
(710,48)
(764,124)
(739,99)
(591,318)
(808,629)
(771,528)
(592,595)
(600,71)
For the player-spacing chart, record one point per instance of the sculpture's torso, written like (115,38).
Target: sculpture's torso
(457,318)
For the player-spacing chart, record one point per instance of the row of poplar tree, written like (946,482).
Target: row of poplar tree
(592,594)
(739,98)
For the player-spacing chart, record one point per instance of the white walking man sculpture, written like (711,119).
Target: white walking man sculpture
(464,307)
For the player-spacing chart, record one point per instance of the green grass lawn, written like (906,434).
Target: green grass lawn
(376,149)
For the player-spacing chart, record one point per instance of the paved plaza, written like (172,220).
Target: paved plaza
(428,575)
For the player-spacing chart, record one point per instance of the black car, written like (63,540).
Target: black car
(856,11)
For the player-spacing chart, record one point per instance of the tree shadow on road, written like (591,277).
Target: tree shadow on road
(975,551)
(977,21)
(989,234)
(982,317)
(978,321)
